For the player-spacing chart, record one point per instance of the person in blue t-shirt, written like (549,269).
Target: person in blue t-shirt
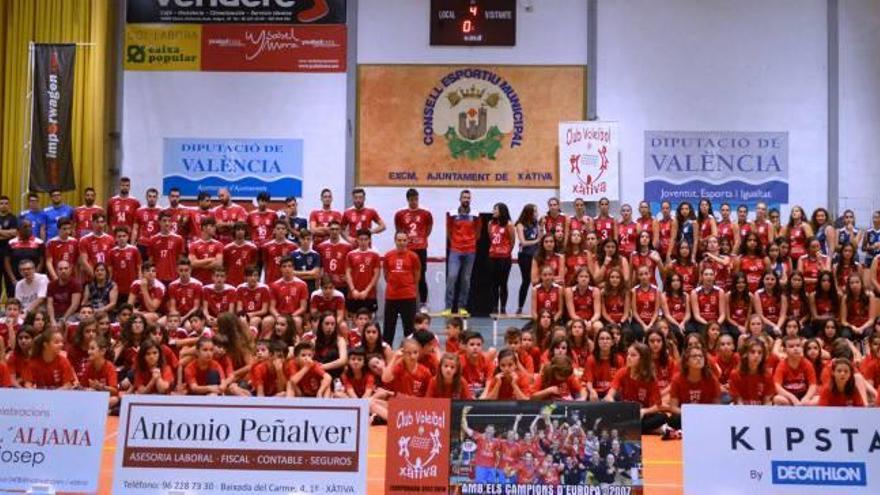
(35,216)
(56,211)
(306,263)
(295,223)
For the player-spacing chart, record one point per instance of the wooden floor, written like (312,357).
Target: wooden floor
(663,474)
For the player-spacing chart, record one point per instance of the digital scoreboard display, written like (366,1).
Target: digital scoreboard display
(473,22)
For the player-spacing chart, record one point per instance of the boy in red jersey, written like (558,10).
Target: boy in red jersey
(360,217)
(124,261)
(93,247)
(204,375)
(454,327)
(147,294)
(795,377)
(261,221)
(333,253)
(275,250)
(327,298)
(218,297)
(306,377)
(289,297)
(319,220)
(165,249)
(476,366)
(488,451)
(417,223)
(239,254)
(402,269)
(227,214)
(64,247)
(206,253)
(253,298)
(185,293)
(146,222)
(362,274)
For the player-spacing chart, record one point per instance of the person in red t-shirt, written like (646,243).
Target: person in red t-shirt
(147,294)
(165,249)
(333,253)
(557,382)
(83,215)
(463,229)
(319,220)
(121,208)
(449,384)
(696,384)
(63,295)
(93,247)
(327,298)
(794,377)
(290,296)
(402,269)
(275,250)
(488,450)
(194,217)
(227,214)
(417,223)
(204,375)
(152,375)
(64,247)
(239,254)
(124,261)
(48,368)
(146,222)
(752,383)
(360,217)
(261,221)
(404,374)
(509,383)
(476,365)
(253,298)
(267,373)
(100,374)
(185,293)
(206,253)
(362,267)
(218,297)
(841,390)
(636,383)
(306,377)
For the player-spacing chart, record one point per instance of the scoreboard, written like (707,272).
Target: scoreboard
(473,22)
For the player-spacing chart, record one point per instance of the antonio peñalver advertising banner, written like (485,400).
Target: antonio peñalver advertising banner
(246,167)
(727,166)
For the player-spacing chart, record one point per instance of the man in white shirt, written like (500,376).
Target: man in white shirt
(31,289)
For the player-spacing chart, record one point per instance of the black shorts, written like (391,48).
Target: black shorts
(353,305)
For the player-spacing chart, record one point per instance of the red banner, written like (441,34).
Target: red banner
(417,452)
(268,48)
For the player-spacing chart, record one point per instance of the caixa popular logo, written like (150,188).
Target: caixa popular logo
(819,473)
(476,111)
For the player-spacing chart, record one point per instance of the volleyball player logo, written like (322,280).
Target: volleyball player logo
(419,451)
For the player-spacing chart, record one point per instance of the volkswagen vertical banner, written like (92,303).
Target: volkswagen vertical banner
(51,157)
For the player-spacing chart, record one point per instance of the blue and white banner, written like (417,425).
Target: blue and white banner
(734,167)
(246,167)
(780,450)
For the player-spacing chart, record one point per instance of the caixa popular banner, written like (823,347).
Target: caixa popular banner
(246,167)
(763,450)
(52,437)
(223,445)
(733,167)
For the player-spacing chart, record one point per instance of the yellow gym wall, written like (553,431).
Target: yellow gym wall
(59,21)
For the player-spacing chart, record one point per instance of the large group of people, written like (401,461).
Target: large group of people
(663,308)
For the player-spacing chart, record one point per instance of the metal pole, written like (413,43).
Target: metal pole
(29,129)
(833,107)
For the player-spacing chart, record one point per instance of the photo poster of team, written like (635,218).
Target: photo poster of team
(545,448)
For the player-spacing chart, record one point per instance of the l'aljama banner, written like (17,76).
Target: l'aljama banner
(236,11)
(464,126)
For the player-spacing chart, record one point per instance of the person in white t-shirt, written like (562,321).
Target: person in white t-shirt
(31,289)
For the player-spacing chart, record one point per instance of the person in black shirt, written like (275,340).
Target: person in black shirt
(8,230)
(574,472)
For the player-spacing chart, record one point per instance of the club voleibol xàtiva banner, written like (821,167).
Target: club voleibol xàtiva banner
(246,167)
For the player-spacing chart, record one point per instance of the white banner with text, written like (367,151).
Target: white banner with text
(51,437)
(762,450)
(214,445)
(589,160)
